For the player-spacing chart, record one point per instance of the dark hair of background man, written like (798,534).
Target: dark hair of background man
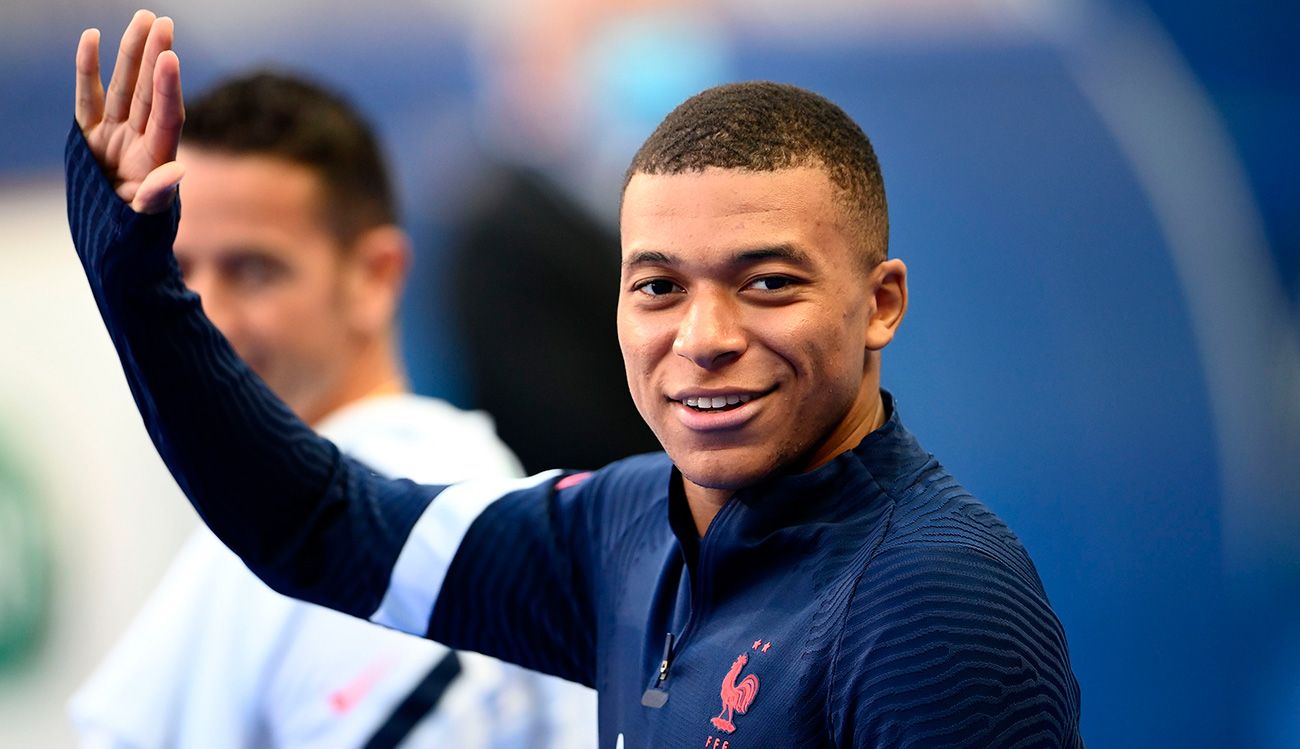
(270,114)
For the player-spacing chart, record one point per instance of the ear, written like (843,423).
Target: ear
(888,284)
(378,262)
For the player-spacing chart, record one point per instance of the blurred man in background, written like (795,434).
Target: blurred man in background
(290,239)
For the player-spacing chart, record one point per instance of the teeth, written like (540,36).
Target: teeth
(720,401)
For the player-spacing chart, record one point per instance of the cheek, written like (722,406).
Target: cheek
(300,318)
(644,356)
(798,337)
(643,342)
(826,350)
(638,362)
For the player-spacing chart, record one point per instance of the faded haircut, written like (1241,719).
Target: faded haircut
(761,126)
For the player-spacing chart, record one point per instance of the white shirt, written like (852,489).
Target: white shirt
(217,659)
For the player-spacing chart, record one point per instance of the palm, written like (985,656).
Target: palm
(122,153)
(134,129)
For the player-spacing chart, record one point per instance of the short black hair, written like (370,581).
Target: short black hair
(763,126)
(286,116)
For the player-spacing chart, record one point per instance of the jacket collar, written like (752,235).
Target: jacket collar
(788,511)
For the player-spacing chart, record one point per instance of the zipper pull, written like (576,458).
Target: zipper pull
(656,696)
(668,656)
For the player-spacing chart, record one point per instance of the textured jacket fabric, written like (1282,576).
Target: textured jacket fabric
(871,602)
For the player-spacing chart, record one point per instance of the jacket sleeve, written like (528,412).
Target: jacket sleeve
(312,523)
(946,646)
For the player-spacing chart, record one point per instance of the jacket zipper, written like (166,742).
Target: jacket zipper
(657,695)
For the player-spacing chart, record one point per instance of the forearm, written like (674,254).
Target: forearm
(305,519)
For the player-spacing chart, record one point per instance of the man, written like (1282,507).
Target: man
(291,243)
(795,571)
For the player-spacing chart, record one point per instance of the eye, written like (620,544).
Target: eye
(771,283)
(657,287)
(255,271)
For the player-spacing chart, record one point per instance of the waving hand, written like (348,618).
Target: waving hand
(134,129)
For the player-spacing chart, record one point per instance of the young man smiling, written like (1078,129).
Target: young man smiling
(796,571)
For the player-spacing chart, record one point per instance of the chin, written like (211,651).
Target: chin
(731,469)
(721,472)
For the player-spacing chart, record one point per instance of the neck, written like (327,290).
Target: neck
(704,503)
(865,416)
(375,371)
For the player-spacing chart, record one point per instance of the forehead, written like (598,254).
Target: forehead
(731,209)
(232,198)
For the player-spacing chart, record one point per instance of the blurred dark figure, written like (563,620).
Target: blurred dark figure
(535,282)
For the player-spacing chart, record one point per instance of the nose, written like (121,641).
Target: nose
(710,333)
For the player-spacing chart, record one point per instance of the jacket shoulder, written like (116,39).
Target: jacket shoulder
(944,638)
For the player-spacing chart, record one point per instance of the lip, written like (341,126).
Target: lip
(712,421)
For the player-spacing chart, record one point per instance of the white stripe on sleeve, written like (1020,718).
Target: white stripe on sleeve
(421,566)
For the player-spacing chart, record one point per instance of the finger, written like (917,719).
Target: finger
(120,89)
(162,135)
(159,40)
(158,189)
(90,89)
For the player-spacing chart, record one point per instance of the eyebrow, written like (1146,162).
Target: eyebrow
(650,257)
(744,257)
(775,252)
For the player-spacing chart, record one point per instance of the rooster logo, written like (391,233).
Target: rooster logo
(736,696)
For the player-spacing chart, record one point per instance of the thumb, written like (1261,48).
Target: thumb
(158,189)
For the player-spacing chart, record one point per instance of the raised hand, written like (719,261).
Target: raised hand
(135,129)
